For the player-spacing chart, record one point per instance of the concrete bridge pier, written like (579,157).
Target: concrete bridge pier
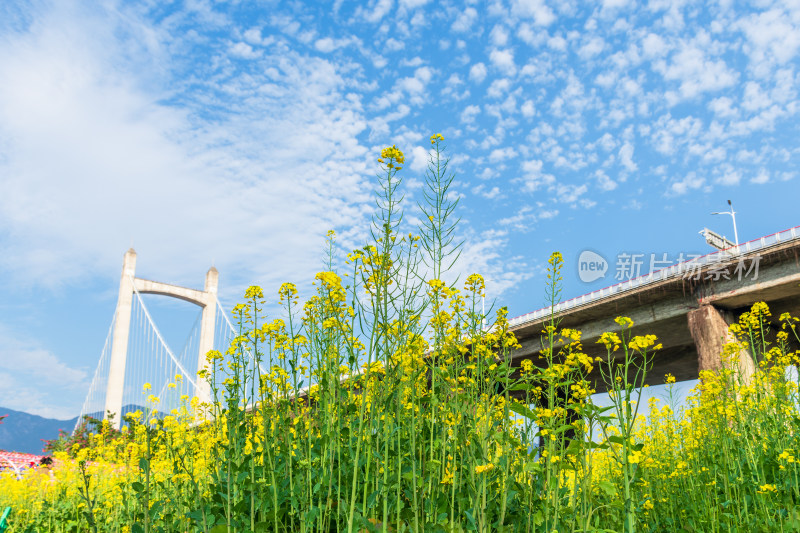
(708,326)
(207,322)
(119,346)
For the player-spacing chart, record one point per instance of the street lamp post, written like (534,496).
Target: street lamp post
(732,213)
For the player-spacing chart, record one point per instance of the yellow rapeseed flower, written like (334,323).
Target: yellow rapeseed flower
(480,469)
(253,291)
(624,321)
(610,340)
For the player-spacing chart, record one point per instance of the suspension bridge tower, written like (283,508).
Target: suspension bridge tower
(131,286)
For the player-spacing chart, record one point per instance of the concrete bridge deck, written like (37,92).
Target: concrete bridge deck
(687,306)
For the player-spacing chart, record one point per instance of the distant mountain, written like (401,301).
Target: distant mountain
(23,432)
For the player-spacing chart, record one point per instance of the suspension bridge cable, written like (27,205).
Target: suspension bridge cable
(93,386)
(160,338)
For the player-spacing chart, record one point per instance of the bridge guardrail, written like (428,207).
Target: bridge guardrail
(663,274)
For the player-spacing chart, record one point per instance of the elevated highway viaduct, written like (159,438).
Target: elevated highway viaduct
(688,306)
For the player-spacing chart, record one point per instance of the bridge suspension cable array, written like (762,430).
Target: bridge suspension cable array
(169,376)
(137,368)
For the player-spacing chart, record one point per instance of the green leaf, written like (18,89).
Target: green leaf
(470,518)
(156,508)
(564,428)
(607,487)
(522,410)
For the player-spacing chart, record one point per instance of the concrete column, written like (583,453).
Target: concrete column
(119,346)
(207,324)
(709,328)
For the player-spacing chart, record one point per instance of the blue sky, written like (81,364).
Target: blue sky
(238,133)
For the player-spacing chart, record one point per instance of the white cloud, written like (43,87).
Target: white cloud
(761,178)
(253,36)
(477,72)
(394,44)
(499,35)
(654,45)
(465,20)
(527,109)
(785,88)
(607,142)
(532,176)
(569,193)
(626,157)
(413,4)
(379,61)
(557,42)
(501,154)
(591,48)
(688,183)
(29,358)
(730,177)
(498,88)
(327,45)
(521,221)
(36,381)
(486,253)
(490,194)
(669,133)
(417,159)
(722,107)
(416,85)
(604,182)
(755,98)
(375,11)
(537,9)
(773,39)
(469,114)
(504,61)
(415,61)
(529,36)
(244,51)
(696,73)
(544,214)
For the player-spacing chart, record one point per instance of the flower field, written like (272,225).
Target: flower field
(386,404)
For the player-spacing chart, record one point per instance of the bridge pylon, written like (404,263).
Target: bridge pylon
(130,284)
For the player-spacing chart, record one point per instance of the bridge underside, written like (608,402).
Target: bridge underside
(688,316)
